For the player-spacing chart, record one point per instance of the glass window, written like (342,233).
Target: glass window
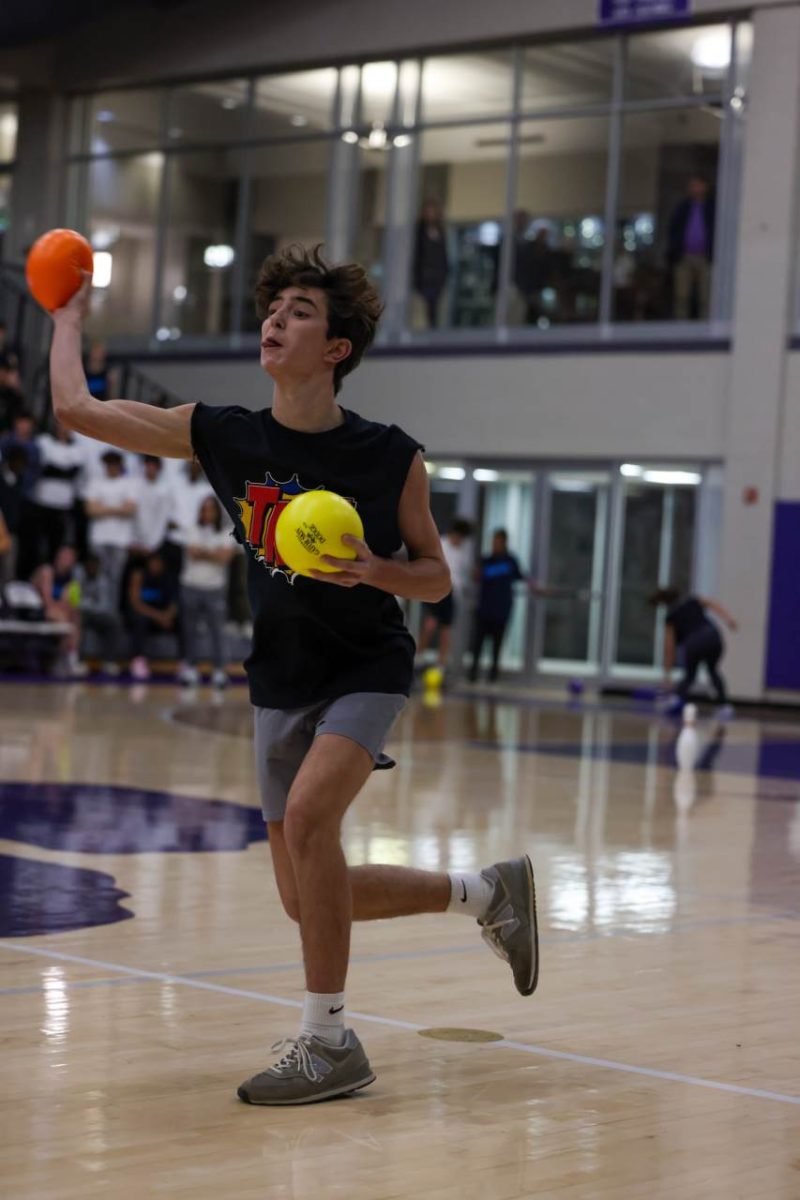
(287,104)
(378,89)
(199,248)
(575,73)
(208,112)
(456,243)
(8,132)
(288,203)
(467,85)
(122,204)
(677,62)
(558,221)
(124,120)
(664,244)
(371,216)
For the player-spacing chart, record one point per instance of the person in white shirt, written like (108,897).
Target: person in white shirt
(208,551)
(111,507)
(189,488)
(457,548)
(52,499)
(154,506)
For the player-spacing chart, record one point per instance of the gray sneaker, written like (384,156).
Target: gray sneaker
(311,1069)
(509,924)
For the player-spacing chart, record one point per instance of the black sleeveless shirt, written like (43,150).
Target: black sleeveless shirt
(311,640)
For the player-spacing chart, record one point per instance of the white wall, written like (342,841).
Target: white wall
(520,406)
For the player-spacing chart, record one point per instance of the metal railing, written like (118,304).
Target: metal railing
(29,331)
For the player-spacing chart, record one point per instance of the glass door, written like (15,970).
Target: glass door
(657,550)
(506,501)
(569,621)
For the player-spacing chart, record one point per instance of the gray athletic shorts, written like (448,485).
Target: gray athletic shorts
(283,737)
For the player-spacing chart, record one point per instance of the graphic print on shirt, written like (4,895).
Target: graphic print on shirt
(259,509)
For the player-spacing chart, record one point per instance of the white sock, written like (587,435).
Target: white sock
(469,893)
(323,1015)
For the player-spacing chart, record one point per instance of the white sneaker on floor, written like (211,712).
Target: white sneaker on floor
(188,677)
(140,670)
(111,668)
(219,680)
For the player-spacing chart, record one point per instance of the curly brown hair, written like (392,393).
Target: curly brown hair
(354,306)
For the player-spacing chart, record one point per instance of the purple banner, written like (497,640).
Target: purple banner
(637,12)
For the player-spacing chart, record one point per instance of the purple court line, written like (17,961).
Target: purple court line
(523,1047)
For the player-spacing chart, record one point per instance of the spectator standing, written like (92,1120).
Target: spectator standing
(497,574)
(50,515)
(204,588)
(111,507)
(154,502)
(442,615)
(189,489)
(431,265)
(691,249)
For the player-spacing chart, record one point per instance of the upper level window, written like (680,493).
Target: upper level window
(575,73)
(457,87)
(300,102)
(678,62)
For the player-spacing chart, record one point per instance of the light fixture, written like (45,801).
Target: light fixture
(402,140)
(104,115)
(162,334)
(660,475)
(101,273)
(711,51)
(350,136)
(229,102)
(377,137)
(484,475)
(489,233)
(179,293)
(104,236)
(218,257)
(690,478)
(451,472)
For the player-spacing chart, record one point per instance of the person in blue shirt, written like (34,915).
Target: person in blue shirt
(497,574)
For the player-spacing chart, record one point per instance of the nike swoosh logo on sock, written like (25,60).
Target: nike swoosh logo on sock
(332,1011)
(464,890)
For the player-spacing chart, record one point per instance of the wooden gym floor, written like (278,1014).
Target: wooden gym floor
(660,1056)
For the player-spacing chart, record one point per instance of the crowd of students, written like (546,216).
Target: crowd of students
(118,546)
